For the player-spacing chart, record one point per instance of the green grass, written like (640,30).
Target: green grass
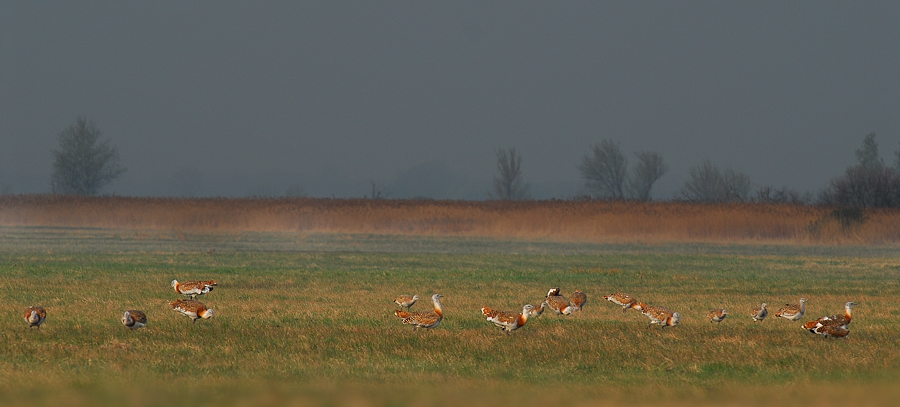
(311,323)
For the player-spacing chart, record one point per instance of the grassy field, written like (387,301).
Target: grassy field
(306,319)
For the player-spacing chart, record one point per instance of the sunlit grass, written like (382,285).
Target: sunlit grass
(309,326)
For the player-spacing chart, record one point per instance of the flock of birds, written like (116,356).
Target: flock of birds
(832,326)
(135,319)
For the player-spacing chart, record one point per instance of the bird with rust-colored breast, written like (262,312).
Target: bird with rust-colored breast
(192,309)
(423,319)
(558,303)
(832,325)
(661,316)
(193,288)
(35,316)
(507,321)
(626,301)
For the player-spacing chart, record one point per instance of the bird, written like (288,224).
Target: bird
(405,301)
(559,304)
(537,311)
(423,319)
(134,319)
(661,316)
(508,321)
(717,315)
(839,321)
(792,312)
(760,313)
(193,288)
(35,316)
(625,300)
(192,309)
(832,331)
(578,299)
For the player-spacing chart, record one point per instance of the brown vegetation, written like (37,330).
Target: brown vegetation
(590,221)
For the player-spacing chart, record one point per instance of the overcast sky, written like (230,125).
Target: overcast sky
(265,98)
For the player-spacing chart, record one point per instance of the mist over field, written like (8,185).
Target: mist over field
(340,99)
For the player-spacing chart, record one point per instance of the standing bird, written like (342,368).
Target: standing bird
(625,300)
(192,309)
(717,315)
(559,304)
(792,312)
(578,299)
(134,319)
(405,301)
(423,319)
(837,321)
(536,312)
(35,316)
(759,313)
(193,288)
(508,321)
(661,316)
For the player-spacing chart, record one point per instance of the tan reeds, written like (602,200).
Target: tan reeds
(590,221)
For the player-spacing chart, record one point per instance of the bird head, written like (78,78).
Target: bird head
(527,309)
(174,283)
(126,318)
(849,305)
(415,297)
(207,314)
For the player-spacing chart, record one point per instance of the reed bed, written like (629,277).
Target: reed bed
(586,221)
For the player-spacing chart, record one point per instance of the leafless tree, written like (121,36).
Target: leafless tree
(83,165)
(649,168)
(783,195)
(509,184)
(867,154)
(708,183)
(606,170)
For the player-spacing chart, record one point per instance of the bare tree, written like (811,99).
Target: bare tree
(605,171)
(710,184)
(509,184)
(649,168)
(867,154)
(784,195)
(83,165)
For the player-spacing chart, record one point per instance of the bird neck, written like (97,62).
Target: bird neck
(437,308)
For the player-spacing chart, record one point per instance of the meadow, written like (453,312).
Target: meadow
(305,318)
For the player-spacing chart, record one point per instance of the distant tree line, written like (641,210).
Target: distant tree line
(84,164)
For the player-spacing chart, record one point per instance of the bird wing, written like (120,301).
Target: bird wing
(138,316)
(424,319)
(558,302)
(578,298)
(504,318)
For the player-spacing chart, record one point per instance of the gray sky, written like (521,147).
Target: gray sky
(238,98)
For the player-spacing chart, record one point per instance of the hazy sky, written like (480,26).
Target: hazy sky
(239,98)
